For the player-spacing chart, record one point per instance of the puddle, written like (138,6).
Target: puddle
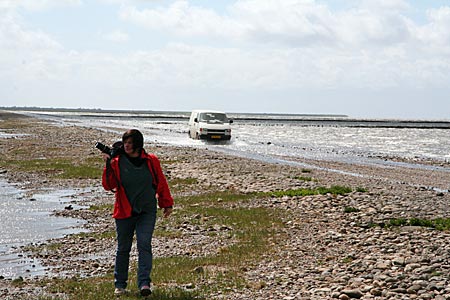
(6,135)
(27,220)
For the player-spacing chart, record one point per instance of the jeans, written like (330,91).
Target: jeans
(144,225)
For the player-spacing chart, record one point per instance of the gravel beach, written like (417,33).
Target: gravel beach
(326,251)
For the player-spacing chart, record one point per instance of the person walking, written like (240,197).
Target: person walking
(139,184)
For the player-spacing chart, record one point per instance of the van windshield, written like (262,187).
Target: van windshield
(213,117)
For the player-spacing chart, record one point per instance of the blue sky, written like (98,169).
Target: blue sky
(367,58)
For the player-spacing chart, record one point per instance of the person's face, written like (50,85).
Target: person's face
(128,146)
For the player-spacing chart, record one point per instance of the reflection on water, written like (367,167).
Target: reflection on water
(29,220)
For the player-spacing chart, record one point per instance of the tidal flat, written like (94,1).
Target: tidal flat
(241,228)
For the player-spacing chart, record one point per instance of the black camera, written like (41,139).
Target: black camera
(116,149)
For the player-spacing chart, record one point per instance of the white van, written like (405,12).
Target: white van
(208,124)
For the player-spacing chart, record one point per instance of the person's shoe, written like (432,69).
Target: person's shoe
(145,291)
(120,291)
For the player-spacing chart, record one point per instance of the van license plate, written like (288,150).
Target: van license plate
(215,136)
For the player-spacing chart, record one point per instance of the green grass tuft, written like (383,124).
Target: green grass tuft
(361,190)
(349,209)
(335,190)
(58,167)
(304,178)
(440,224)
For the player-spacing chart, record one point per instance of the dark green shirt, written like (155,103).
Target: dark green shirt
(137,181)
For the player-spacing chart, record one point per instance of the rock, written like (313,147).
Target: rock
(399,290)
(413,289)
(376,292)
(190,286)
(411,267)
(399,261)
(353,293)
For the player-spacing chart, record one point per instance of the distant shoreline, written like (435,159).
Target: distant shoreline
(140,112)
(298,119)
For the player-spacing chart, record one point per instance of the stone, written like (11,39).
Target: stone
(353,293)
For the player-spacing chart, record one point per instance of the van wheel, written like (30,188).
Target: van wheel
(196,136)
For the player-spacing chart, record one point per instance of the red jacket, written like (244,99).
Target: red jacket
(111,181)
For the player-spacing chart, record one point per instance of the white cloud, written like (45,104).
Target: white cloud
(391,6)
(372,45)
(437,31)
(37,4)
(26,54)
(304,23)
(181,18)
(117,36)
(14,37)
(265,45)
(293,21)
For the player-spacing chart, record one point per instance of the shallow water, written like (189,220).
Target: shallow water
(283,138)
(27,221)
(286,142)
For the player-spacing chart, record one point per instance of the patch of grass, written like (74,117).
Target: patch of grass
(175,183)
(106,234)
(440,224)
(58,167)
(14,124)
(18,282)
(101,288)
(436,273)
(294,193)
(212,198)
(421,222)
(184,181)
(335,190)
(169,161)
(102,207)
(397,222)
(304,178)
(44,247)
(350,209)
(51,247)
(20,151)
(361,190)
(249,232)
(348,260)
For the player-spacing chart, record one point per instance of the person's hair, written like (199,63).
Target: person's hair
(136,136)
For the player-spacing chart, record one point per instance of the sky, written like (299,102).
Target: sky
(366,58)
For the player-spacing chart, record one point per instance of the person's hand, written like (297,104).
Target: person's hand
(167,211)
(106,157)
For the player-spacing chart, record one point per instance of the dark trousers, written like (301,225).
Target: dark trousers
(143,225)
